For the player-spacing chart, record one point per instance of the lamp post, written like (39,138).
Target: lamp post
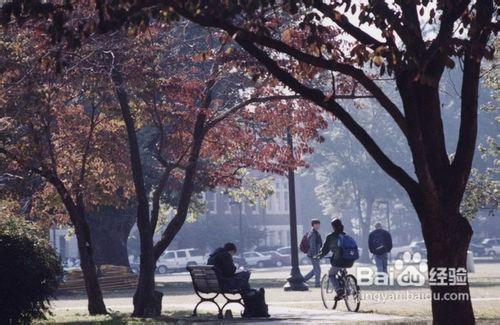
(240,215)
(296,280)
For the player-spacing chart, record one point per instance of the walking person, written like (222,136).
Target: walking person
(380,245)
(315,242)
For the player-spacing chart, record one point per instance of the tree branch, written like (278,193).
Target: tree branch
(347,69)
(461,166)
(187,188)
(333,107)
(343,22)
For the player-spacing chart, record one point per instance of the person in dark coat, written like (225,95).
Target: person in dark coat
(380,244)
(222,260)
(315,243)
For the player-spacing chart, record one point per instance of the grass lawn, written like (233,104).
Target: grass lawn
(179,299)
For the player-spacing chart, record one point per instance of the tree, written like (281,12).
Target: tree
(397,45)
(219,136)
(349,178)
(416,61)
(193,118)
(53,126)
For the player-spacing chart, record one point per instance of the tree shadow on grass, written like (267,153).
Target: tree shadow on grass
(168,288)
(179,317)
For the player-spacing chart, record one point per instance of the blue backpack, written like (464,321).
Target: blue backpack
(350,251)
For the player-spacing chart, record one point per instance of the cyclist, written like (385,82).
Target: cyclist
(338,263)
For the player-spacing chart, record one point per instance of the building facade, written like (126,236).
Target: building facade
(274,217)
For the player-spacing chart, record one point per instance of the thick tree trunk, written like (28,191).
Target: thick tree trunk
(96,304)
(95,301)
(147,301)
(447,242)
(110,229)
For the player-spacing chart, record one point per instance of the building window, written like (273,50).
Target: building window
(279,203)
(211,202)
(226,204)
(253,209)
(284,190)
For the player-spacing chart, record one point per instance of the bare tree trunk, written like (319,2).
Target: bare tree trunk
(110,229)
(364,223)
(96,304)
(147,301)
(451,303)
(365,253)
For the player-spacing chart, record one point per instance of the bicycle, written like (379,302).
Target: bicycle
(349,285)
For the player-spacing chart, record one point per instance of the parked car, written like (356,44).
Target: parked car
(287,250)
(492,246)
(419,247)
(397,252)
(177,260)
(256,259)
(278,259)
(238,261)
(478,250)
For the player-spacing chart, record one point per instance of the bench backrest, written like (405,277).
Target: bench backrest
(204,278)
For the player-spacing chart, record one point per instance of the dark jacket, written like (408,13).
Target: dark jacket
(380,242)
(331,245)
(315,242)
(223,261)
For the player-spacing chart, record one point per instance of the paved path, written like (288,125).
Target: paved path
(280,313)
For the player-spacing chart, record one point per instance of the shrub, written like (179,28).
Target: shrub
(29,271)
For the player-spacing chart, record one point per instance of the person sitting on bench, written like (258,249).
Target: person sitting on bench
(222,260)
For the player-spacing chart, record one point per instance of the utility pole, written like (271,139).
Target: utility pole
(296,280)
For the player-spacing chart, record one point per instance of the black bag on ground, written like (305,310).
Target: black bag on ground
(255,304)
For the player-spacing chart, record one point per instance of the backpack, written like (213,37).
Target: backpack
(349,250)
(255,304)
(304,243)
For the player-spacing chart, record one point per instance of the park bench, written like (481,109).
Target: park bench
(206,286)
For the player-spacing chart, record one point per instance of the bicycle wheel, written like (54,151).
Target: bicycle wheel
(328,293)
(352,296)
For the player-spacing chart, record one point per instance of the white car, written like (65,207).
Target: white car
(492,246)
(398,251)
(256,259)
(178,260)
(414,247)
(287,250)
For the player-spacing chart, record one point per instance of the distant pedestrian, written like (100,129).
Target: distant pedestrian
(314,242)
(380,245)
